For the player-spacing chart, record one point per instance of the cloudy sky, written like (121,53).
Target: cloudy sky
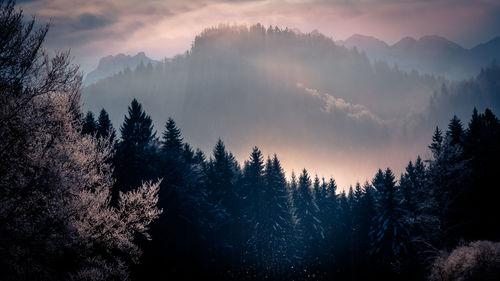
(163,28)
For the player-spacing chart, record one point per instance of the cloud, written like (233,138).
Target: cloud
(332,104)
(88,21)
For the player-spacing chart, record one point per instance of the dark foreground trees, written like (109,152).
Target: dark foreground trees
(250,223)
(56,221)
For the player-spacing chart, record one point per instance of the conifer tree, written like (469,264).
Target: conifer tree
(344,240)
(222,185)
(455,132)
(104,127)
(89,126)
(254,212)
(136,148)
(437,140)
(172,140)
(310,229)
(278,222)
(366,214)
(293,188)
(389,234)
(187,153)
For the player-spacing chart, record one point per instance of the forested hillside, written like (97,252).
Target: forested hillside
(429,54)
(302,87)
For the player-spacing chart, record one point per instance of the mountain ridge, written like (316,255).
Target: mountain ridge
(430,54)
(113,64)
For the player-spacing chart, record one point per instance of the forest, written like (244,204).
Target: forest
(81,200)
(247,221)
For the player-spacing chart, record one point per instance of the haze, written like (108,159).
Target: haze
(317,105)
(94,28)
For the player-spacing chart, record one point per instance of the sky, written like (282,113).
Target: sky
(92,29)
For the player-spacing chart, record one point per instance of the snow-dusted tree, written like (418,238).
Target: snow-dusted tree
(278,224)
(254,213)
(389,234)
(478,260)
(56,222)
(448,175)
(310,229)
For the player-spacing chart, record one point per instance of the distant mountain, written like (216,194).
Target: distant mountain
(430,54)
(364,42)
(111,65)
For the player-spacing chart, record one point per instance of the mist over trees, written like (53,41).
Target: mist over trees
(253,85)
(429,54)
(275,84)
(227,220)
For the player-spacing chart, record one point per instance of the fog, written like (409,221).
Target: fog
(317,105)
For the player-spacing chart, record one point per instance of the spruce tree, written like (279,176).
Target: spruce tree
(89,125)
(278,223)
(104,127)
(437,140)
(293,188)
(389,234)
(187,154)
(310,229)
(330,220)
(344,238)
(135,150)
(455,132)
(222,175)
(172,140)
(254,212)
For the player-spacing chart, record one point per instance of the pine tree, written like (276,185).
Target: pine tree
(293,188)
(389,234)
(254,212)
(187,153)
(330,220)
(357,208)
(455,132)
(350,196)
(199,158)
(316,187)
(437,140)
(89,125)
(104,127)
(345,233)
(172,140)
(367,213)
(481,153)
(278,222)
(310,229)
(363,212)
(407,189)
(222,177)
(136,148)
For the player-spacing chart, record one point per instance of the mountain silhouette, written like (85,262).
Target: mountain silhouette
(111,65)
(430,54)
